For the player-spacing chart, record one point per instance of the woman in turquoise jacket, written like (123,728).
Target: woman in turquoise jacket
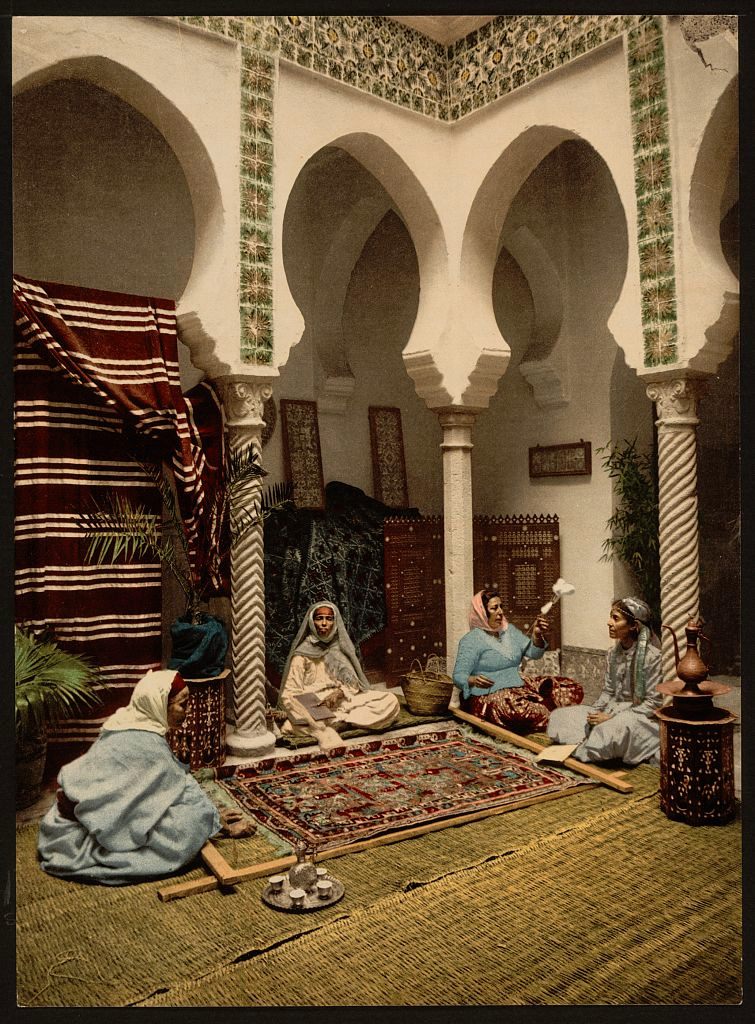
(487,670)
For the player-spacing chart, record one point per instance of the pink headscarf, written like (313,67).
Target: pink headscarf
(478,618)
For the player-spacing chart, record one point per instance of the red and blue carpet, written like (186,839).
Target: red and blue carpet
(327,799)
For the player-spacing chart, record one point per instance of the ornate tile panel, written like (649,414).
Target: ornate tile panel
(652,175)
(260,40)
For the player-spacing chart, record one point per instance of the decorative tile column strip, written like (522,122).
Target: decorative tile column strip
(243,400)
(676,405)
(653,189)
(259,69)
(260,40)
(457,522)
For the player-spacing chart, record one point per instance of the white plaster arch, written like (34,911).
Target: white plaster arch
(543,365)
(718,147)
(416,210)
(482,241)
(321,284)
(345,249)
(120,58)
(480,248)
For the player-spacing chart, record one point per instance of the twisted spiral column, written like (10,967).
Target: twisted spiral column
(243,401)
(676,405)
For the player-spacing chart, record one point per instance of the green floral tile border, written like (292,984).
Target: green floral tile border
(260,43)
(398,64)
(653,189)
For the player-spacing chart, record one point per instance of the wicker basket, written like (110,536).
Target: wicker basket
(427,691)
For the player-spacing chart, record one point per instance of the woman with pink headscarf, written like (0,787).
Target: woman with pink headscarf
(487,670)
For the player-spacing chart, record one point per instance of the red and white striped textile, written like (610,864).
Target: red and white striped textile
(96,372)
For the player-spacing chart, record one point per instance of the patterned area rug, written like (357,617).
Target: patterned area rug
(331,798)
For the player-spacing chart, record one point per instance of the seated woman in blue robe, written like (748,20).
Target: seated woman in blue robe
(128,810)
(622,722)
(487,670)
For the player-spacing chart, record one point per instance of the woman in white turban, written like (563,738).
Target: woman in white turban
(621,723)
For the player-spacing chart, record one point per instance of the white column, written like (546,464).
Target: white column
(457,522)
(243,400)
(676,405)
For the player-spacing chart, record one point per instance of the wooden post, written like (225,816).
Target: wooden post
(225,874)
(610,779)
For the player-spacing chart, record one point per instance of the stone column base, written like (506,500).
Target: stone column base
(260,744)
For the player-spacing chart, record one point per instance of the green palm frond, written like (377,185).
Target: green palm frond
(244,464)
(50,683)
(276,495)
(118,528)
(633,529)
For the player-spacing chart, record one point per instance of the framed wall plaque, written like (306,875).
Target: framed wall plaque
(388,466)
(301,452)
(561,459)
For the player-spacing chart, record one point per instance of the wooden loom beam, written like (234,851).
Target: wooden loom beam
(224,874)
(607,778)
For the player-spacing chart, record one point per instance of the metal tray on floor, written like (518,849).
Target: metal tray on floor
(282,900)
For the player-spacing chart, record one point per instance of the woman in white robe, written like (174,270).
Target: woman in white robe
(323,661)
(128,810)
(621,723)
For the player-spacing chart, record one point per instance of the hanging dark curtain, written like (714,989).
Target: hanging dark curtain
(96,382)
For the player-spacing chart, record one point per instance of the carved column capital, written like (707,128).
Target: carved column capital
(676,400)
(244,400)
(457,427)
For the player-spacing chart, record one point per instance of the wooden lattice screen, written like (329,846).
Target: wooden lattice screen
(518,555)
(414,591)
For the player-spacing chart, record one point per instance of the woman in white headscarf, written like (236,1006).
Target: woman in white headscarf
(322,661)
(128,810)
(621,723)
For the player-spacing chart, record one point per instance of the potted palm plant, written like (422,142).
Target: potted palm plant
(119,528)
(51,684)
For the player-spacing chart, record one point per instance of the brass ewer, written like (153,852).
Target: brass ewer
(692,692)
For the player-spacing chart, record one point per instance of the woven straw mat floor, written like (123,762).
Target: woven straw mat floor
(594,864)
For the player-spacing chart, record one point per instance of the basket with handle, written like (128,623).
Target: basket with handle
(427,690)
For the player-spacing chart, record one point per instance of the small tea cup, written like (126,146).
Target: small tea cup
(297,897)
(322,873)
(276,882)
(324,888)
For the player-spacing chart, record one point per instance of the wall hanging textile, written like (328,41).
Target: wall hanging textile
(333,556)
(301,452)
(388,464)
(331,798)
(96,377)
(123,349)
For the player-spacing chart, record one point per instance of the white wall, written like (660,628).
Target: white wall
(99,198)
(704,141)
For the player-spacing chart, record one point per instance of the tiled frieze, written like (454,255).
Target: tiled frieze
(653,188)
(515,49)
(400,65)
